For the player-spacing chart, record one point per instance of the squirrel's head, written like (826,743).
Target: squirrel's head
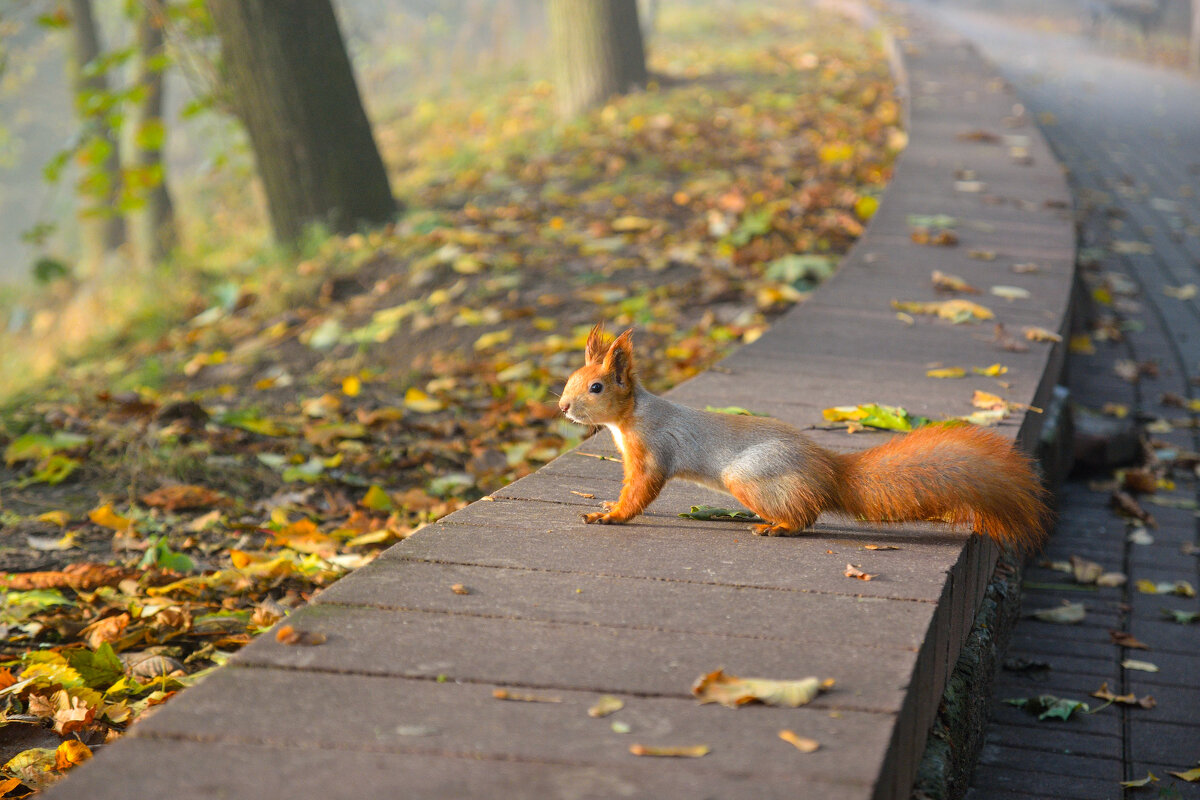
(602,389)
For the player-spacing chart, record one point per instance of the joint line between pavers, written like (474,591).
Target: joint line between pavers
(591,624)
(822,703)
(663,579)
(365,747)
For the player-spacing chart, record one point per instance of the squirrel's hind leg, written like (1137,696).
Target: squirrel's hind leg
(775,501)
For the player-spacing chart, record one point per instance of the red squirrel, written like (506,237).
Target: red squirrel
(962,475)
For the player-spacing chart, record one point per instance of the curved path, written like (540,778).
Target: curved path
(1130,136)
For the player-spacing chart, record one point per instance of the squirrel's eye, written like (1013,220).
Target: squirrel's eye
(596,387)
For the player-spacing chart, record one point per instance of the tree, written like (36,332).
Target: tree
(103,228)
(152,227)
(598,51)
(289,80)
(1194,41)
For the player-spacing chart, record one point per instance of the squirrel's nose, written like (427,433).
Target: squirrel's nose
(564,406)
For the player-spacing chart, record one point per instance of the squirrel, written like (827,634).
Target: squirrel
(962,475)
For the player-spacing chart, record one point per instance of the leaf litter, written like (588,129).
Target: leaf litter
(202,483)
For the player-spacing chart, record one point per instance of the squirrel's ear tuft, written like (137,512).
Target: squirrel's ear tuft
(595,349)
(619,361)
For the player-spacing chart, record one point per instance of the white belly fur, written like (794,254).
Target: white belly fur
(617,437)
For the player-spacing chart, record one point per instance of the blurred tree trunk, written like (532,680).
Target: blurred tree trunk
(290,81)
(102,228)
(153,223)
(1194,42)
(598,51)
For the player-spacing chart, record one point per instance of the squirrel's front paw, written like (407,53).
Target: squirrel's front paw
(609,505)
(603,517)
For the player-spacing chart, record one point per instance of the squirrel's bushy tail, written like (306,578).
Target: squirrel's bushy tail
(961,475)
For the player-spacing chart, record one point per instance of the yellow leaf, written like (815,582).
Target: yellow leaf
(351,386)
(1140,782)
(866,206)
(992,371)
(694,751)
(801,743)
(988,400)
(420,402)
(946,372)
(732,691)
(492,339)
(1191,776)
(1143,666)
(1081,344)
(836,151)
(607,704)
(59,518)
(844,413)
(1035,334)
(104,516)
(631,224)
(956,310)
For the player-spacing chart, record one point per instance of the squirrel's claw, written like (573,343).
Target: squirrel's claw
(597,516)
(772,529)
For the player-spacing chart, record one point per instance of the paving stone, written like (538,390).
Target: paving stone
(511,533)
(1046,738)
(1027,782)
(417,644)
(1164,743)
(466,721)
(660,605)
(268,773)
(1066,764)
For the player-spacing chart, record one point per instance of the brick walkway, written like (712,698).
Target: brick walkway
(1130,135)
(399,699)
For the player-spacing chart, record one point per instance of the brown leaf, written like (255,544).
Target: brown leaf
(1127,639)
(70,753)
(458,588)
(183,497)
(107,629)
(1125,504)
(854,572)
(291,636)
(1104,693)
(1140,481)
(83,576)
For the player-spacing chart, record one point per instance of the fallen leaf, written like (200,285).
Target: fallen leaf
(105,517)
(1048,706)
(289,635)
(1011,293)
(1180,588)
(607,704)
(732,691)
(852,571)
(1104,693)
(713,512)
(990,371)
(801,743)
(880,547)
(181,497)
(59,518)
(693,751)
(1181,617)
(951,283)
(1127,639)
(505,694)
(458,588)
(1084,571)
(1066,614)
(1142,666)
(946,372)
(1140,782)
(1191,776)
(1125,504)
(1185,292)
(1036,334)
(956,310)
(419,401)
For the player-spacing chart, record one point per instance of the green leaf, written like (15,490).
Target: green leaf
(47,270)
(159,554)
(931,221)
(453,483)
(801,271)
(1181,617)
(712,512)
(100,669)
(38,446)
(1048,706)
(52,471)
(377,499)
(735,410)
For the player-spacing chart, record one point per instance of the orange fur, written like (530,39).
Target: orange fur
(962,475)
(642,483)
